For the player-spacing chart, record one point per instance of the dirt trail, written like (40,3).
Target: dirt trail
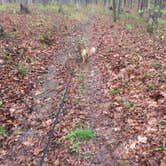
(89,103)
(33,131)
(98,108)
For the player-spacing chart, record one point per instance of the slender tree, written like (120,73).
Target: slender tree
(114,10)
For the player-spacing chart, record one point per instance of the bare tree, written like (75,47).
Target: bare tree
(24,6)
(114,10)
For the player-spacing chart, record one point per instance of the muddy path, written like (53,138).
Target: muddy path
(34,130)
(88,103)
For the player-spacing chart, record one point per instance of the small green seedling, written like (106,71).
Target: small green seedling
(122,163)
(22,68)
(157,65)
(1,103)
(74,146)
(129,104)
(120,100)
(128,27)
(80,77)
(3,131)
(81,90)
(64,98)
(162,147)
(41,37)
(113,92)
(58,142)
(86,156)
(150,87)
(126,83)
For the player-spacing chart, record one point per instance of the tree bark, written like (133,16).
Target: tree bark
(114,10)
(24,6)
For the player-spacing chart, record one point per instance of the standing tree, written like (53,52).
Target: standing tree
(119,7)
(24,6)
(114,10)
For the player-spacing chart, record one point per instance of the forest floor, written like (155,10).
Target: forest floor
(120,92)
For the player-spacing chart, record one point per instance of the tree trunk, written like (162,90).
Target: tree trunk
(114,10)
(119,7)
(24,6)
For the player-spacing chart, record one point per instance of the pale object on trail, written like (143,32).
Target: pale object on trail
(92,50)
(87,52)
(1,62)
(142,139)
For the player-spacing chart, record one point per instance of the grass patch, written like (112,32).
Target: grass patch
(122,163)
(133,19)
(74,146)
(162,22)
(150,87)
(79,134)
(120,100)
(3,131)
(3,8)
(49,7)
(113,91)
(129,104)
(22,68)
(10,7)
(128,27)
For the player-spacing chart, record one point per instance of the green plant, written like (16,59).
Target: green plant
(81,134)
(108,51)
(58,142)
(22,68)
(85,156)
(41,37)
(150,28)
(126,83)
(150,87)
(3,131)
(128,27)
(74,146)
(50,7)
(64,98)
(113,91)
(120,100)
(157,65)
(80,77)
(162,147)
(3,8)
(129,104)
(81,90)
(122,163)
(1,103)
